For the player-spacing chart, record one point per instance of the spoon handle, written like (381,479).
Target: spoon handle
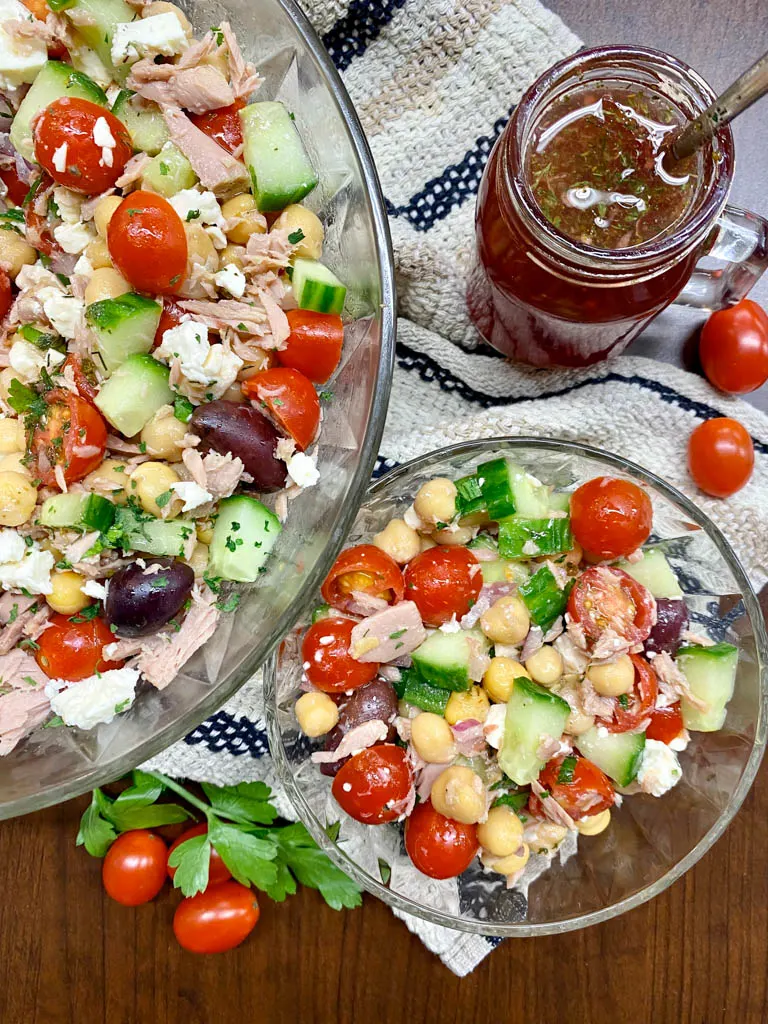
(737,97)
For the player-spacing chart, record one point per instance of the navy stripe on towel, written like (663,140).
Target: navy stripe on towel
(224,734)
(362,23)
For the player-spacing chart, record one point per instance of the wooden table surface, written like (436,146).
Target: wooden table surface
(696,955)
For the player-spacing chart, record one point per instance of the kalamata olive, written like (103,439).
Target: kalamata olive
(141,600)
(376,699)
(671,621)
(240,429)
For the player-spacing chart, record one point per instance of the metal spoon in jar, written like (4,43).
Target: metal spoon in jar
(747,88)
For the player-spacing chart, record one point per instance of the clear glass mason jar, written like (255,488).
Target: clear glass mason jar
(542,298)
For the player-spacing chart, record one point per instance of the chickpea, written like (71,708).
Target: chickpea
(14,462)
(109,479)
(231,254)
(500,676)
(98,253)
(151,479)
(218,60)
(472,703)
(613,679)
(546,836)
(398,541)
(105,283)
(162,7)
(435,501)
(67,596)
(200,248)
(204,530)
(298,218)
(454,536)
(594,824)
(426,543)
(16,252)
(512,863)
(507,621)
(198,560)
(163,434)
(12,435)
(459,793)
(545,666)
(432,737)
(578,723)
(501,833)
(316,713)
(250,221)
(105,209)
(17,499)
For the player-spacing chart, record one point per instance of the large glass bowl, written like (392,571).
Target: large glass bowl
(650,841)
(55,764)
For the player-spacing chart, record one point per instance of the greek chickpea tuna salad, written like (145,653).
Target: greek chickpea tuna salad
(165,319)
(503,666)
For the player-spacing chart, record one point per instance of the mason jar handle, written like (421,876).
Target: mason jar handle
(741,245)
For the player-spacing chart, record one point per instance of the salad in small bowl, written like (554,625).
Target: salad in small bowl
(530,694)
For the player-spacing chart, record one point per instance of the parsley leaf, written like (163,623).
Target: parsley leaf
(95,833)
(247,802)
(247,856)
(162,499)
(191,860)
(301,854)
(192,215)
(229,604)
(183,409)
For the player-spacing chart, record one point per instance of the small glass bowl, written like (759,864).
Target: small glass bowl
(650,842)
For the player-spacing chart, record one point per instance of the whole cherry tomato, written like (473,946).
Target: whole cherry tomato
(17,189)
(133,871)
(438,846)
(6,298)
(443,582)
(363,569)
(610,517)
(71,434)
(314,344)
(577,785)
(71,647)
(81,145)
(217,869)
(170,317)
(604,597)
(373,786)
(666,724)
(223,125)
(147,242)
(216,920)
(327,662)
(632,710)
(721,456)
(734,348)
(289,399)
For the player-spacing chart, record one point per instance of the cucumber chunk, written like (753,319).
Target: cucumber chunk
(414,690)
(315,287)
(42,340)
(280,170)
(526,538)
(443,659)
(169,172)
(54,81)
(533,714)
(82,511)
(544,598)
(618,754)
(152,536)
(123,327)
(711,674)
(469,495)
(144,121)
(654,572)
(95,21)
(323,611)
(134,393)
(244,535)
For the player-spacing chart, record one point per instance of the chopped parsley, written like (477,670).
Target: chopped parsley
(183,409)
(296,236)
(398,634)
(192,215)
(326,396)
(86,614)
(566,771)
(162,499)
(229,604)
(164,168)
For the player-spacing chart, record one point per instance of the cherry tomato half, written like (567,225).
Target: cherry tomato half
(17,189)
(6,297)
(734,348)
(217,869)
(610,517)
(373,785)
(443,582)
(666,724)
(314,344)
(170,317)
(577,785)
(133,871)
(327,661)
(365,569)
(147,242)
(216,920)
(65,145)
(604,597)
(632,709)
(290,400)
(84,373)
(438,846)
(223,125)
(721,456)
(72,434)
(73,650)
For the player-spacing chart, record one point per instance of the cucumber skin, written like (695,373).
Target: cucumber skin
(124,326)
(495,482)
(552,536)
(543,598)
(593,746)
(414,690)
(258,529)
(314,293)
(280,170)
(53,82)
(87,511)
(446,671)
(713,662)
(517,756)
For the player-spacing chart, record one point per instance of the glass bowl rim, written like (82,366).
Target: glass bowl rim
(522,930)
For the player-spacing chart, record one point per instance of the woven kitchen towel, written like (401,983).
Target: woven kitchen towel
(434,82)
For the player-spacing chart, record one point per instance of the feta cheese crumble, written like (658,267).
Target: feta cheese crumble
(31,572)
(659,769)
(95,699)
(200,362)
(192,494)
(231,279)
(73,238)
(12,546)
(65,314)
(59,158)
(158,34)
(95,589)
(27,360)
(493,726)
(201,207)
(302,469)
(68,203)
(105,140)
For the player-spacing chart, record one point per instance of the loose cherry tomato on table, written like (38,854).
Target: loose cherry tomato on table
(147,243)
(721,456)
(71,434)
(170,317)
(216,920)
(604,597)
(373,786)
(133,871)
(84,373)
(6,297)
(610,517)
(443,582)
(363,569)
(327,662)
(290,401)
(223,125)
(632,709)
(71,647)
(314,344)
(577,785)
(438,846)
(666,724)
(81,145)
(217,869)
(734,348)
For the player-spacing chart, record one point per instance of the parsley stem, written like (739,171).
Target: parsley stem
(182,792)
